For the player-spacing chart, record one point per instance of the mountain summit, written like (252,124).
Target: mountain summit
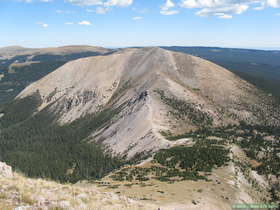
(154,90)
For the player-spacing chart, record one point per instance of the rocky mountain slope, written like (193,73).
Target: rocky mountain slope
(155,90)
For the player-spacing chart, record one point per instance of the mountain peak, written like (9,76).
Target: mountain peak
(148,84)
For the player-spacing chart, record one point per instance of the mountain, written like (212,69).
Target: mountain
(148,117)
(149,81)
(259,67)
(21,66)
(10,50)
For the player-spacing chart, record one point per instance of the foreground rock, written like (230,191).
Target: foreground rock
(5,170)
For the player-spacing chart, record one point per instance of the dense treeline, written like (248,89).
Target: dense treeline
(251,138)
(185,110)
(12,83)
(40,148)
(18,110)
(201,157)
(179,163)
(258,148)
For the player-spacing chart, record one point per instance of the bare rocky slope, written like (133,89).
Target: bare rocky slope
(155,90)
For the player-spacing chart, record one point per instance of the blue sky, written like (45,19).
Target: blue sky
(120,23)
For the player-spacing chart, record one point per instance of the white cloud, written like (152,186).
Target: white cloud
(85,23)
(64,11)
(105,3)
(273,3)
(102,10)
(167,5)
(200,3)
(223,16)
(169,12)
(227,10)
(204,8)
(85,2)
(137,18)
(224,9)
(69,23)
(165,8)
(119,3)
(44,25)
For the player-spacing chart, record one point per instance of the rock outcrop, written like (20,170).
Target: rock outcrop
(5,170)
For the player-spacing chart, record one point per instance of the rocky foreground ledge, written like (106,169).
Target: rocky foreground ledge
(18,192)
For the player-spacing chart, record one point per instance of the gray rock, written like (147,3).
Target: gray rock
(22,208)
(5,170)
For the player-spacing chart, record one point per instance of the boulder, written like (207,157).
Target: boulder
(5,170)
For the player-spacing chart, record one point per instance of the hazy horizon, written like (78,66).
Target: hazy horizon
(114,47)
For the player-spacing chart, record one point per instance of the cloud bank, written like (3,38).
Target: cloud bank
(226,8)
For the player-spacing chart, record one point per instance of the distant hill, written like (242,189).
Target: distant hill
(21,66)
(259,67)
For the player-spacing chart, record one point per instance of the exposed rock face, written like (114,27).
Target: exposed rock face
(5,170)
(158,90)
